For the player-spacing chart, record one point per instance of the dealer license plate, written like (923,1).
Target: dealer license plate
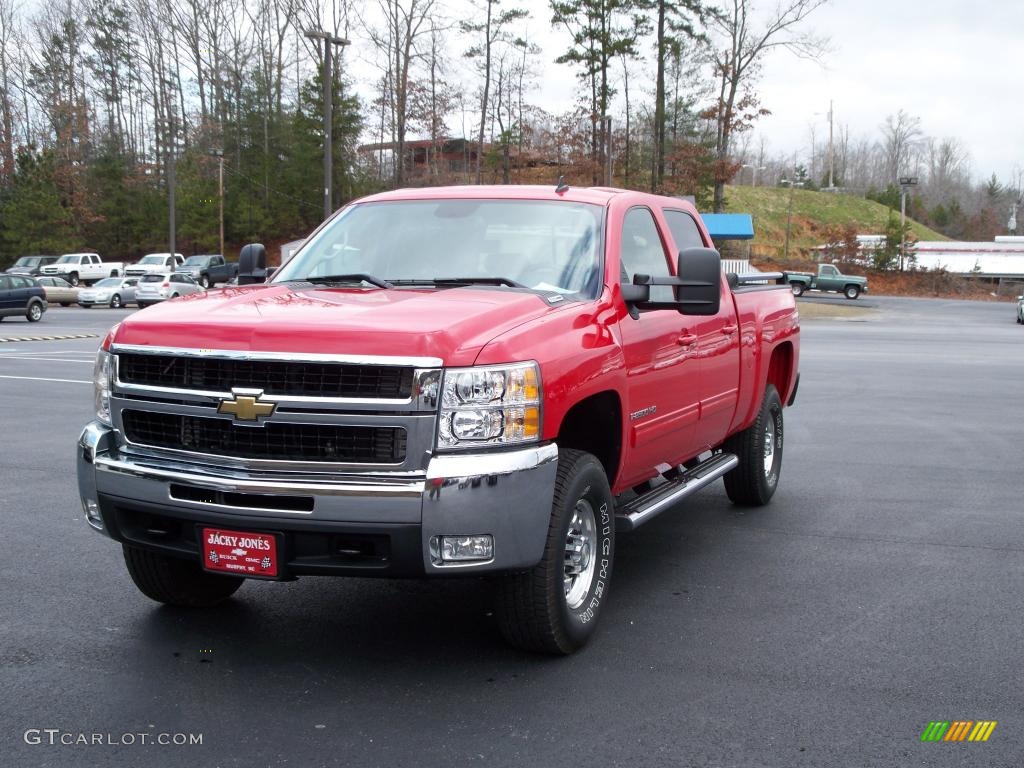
(240,552)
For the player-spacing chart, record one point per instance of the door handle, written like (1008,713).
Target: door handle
(686,339)
(728,330)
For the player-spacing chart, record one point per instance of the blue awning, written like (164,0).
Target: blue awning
(729,226)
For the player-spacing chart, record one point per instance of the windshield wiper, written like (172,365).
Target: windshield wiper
(456,281)
(354,277)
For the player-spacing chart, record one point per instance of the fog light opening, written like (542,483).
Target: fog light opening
(92,513)
(461,549)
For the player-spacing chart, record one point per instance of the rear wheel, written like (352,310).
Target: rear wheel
(177,581)
(142,304)
(34,312)
(798,288)
(851,291)
(554,606)
(759,449)
(65,303)
(115,301)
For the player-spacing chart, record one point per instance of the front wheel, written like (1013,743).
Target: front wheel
(177,581)
(65,303)
(115,301)
(204,280)
(759,448)
(798,289)
(851,291)
(73,279)
(554,606)
(35,312)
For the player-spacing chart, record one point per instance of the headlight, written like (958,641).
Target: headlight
(102,375)
(489,405)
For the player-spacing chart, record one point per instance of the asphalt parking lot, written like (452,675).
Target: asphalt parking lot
(882,589)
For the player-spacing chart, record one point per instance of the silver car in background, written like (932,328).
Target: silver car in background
(153,289)
(113,291)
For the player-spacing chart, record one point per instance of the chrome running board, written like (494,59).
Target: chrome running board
(638,511)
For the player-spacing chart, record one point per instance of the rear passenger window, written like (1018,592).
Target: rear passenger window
(5,283)
(642,252)
(684,230)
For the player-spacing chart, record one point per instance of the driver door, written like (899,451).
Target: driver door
(662,365)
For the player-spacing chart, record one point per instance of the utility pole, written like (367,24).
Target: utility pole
(328,75)
(831,154)
(606,124)
(219,154)
(171,161)
(789,211)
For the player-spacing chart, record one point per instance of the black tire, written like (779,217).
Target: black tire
(798,288)
(177,581)
(34,313)
(142,304)
(851,291)
(533,607)
(750,484)
(204,280)
(65,303)
(115,301)
(174,295)
(73,279)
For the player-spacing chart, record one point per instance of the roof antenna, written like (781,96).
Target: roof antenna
(561,187)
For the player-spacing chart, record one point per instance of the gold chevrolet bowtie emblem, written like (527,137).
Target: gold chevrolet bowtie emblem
(246,406)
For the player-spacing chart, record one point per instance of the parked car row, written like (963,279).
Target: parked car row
(88,268)
(24,295)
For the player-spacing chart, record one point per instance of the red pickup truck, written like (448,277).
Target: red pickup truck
(448,381)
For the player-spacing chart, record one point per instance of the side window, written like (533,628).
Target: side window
(21,282)
(5,283)
(642,252)
(94,259)
(130,283)
(829,271)
(684,230)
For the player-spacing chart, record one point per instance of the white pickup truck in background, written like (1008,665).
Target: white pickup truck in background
(155,264)
(85,268)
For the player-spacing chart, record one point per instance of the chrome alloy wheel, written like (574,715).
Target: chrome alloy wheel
(769,447)
(580,551)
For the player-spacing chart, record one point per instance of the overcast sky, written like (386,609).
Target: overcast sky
(955,64)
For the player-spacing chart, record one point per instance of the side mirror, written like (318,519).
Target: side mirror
(252,264)
(700,288)
(697,286)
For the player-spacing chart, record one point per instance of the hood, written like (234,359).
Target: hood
(451,323)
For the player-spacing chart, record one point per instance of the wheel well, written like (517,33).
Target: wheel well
(594,425)
(780,367)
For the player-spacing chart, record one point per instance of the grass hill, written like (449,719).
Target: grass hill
(813,214)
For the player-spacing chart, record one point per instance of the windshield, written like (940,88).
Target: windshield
(108,282)
(154,278)
(69,258)
(28,261)
(156,258)
(196,261)
(545,245)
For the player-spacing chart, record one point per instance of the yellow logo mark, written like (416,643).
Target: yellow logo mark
(246,407)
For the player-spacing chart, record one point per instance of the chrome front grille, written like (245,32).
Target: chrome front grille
(336,415)
(273,441)
(297,379)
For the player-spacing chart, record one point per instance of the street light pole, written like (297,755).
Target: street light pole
(906,182)
(219,154)
(328,75)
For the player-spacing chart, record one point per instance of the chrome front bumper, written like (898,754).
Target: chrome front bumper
(506,494)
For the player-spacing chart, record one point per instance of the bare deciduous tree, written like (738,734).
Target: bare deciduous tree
(739,50)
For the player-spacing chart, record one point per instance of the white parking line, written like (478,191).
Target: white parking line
(39,378)
(50,359)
